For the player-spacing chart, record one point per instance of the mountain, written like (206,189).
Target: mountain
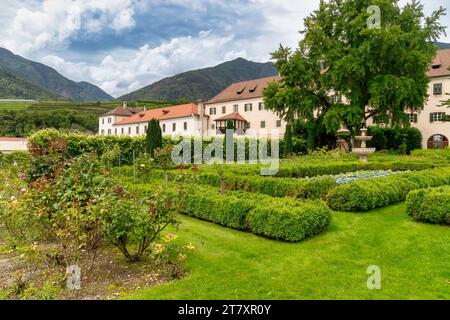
(48,78)
(14,87)
(204,83)
(443,45)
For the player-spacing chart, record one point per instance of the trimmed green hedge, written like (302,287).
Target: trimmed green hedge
(275,187)
(320,169)
(393,138)
(278,220)
(80,143)
(284,219)
(430,205)
(365,195)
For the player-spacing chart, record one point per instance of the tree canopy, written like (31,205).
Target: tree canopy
(347,68)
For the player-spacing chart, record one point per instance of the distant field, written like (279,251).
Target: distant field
(69,105)
(22,118)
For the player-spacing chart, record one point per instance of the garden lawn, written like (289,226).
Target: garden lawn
(414,259)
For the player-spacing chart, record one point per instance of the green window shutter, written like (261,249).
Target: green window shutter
(431,117)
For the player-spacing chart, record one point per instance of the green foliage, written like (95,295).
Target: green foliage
(280,220)
(430,205)
(154,138)
(226,210)
(230,124)
(435,155)
(288,147)
(395,139)
(275,187)
(79,143)
(128,220)
(365,195)
(19,123)
(384,68)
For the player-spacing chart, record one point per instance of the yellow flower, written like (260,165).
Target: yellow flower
(170,237)
(159,248)
(190,247)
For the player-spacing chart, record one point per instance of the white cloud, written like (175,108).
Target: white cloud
(118,74)
(37,28)
(56,22)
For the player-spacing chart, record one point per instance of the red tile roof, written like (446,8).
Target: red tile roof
(181,111)
(122,112)
(441,64)
(244,90)
(233,116)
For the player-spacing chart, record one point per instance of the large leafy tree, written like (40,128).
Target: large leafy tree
(379,72)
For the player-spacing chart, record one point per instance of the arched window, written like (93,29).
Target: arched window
(438,141)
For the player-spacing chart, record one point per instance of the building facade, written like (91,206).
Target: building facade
(181,120)
(435,131)
(243,104)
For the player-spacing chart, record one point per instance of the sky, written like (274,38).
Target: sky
(123,45)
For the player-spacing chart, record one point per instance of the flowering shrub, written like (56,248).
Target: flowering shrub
(128,219)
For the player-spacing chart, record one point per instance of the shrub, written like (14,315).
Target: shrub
(133,147)
(154,137)
(226,210)
(275,187)
(281,219)
(394,139)
(365,195)
(288,147)
(131,220)
(302,170)
(430,205)
(278,220)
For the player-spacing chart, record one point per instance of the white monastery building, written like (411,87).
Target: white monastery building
(243,103)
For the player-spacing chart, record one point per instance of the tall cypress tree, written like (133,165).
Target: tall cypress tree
(230,124)
(154,137)
(288,148)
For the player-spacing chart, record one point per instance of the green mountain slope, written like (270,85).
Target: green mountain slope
(204,83)
(443,45)
(49,78)
(14,87)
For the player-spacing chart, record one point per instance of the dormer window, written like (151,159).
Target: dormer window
(437,63)
(253,89)
(241,91)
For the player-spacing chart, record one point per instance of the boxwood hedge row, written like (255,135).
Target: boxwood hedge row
(285,219)
(365,195)
(430,205)
(275,187)
(334,168)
